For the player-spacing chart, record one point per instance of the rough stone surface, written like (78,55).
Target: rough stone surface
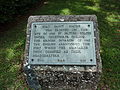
(49,77)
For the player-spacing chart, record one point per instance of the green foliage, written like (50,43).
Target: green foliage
(8,8)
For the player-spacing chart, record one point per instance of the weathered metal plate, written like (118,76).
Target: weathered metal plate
(62,43)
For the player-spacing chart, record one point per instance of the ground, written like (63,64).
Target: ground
(12,40)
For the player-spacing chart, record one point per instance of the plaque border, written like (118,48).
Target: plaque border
(57,63)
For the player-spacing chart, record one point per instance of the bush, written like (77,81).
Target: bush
(8,8)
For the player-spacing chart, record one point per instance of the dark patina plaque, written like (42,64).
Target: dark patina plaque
(62,43)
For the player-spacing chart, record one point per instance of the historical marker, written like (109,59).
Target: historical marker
(62,52)
(62,43)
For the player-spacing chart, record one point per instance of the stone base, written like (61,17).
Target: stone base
(49,77)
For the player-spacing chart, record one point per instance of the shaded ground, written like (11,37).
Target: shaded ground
(12,41)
